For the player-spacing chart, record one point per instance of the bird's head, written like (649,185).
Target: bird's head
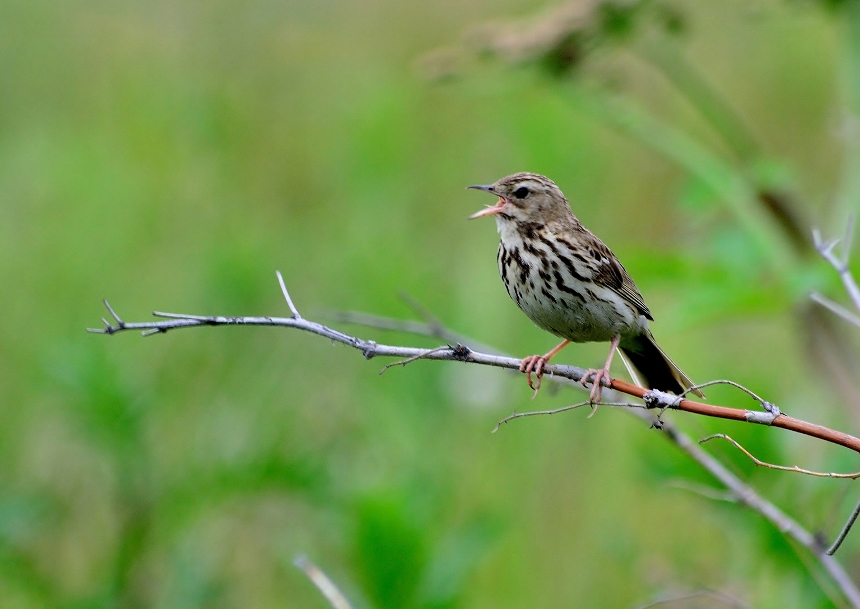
(524,197)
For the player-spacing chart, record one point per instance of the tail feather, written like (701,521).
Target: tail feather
(650,367)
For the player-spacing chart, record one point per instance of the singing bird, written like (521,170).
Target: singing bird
(568,282)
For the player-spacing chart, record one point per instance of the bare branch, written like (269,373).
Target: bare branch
(323,583)
(371,349)
(783,468)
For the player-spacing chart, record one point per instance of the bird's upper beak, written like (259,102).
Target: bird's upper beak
(490,209)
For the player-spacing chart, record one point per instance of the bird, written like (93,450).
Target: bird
(569,283)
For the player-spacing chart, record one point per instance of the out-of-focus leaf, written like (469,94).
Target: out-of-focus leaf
(390,551)
(454,557)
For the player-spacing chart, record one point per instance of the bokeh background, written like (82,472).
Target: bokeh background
(173,155)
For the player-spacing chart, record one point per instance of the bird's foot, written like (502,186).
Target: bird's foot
(533,363)
(596,387)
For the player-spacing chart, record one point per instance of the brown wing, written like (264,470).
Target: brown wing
(610,272)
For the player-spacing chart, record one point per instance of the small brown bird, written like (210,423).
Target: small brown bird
(569,283)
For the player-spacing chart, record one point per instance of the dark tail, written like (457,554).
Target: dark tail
(651,368)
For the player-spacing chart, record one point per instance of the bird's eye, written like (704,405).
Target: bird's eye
(521,193)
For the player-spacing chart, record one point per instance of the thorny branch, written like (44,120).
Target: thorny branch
(743,493)
(461,353)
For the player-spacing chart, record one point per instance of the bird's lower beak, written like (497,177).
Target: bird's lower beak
(490,209)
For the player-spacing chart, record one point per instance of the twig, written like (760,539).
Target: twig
(705,491)
(323,583)
(533,413)
(844,532)
(429,328)
(836,308)
(712,594)
(423,312)
(724,382)
(783,468)
(409,360)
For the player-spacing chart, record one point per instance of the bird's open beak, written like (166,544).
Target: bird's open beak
(490,209)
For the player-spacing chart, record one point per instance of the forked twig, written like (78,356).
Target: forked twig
(840,264)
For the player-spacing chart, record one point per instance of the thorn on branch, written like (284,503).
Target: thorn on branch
(119,322)
(289,300)
(109,327)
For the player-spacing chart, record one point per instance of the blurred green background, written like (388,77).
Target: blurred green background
(173,155)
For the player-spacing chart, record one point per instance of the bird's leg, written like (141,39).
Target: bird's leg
(596,387)
(535,363)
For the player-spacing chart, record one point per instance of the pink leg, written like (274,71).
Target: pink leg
(596,387)
(535,363)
